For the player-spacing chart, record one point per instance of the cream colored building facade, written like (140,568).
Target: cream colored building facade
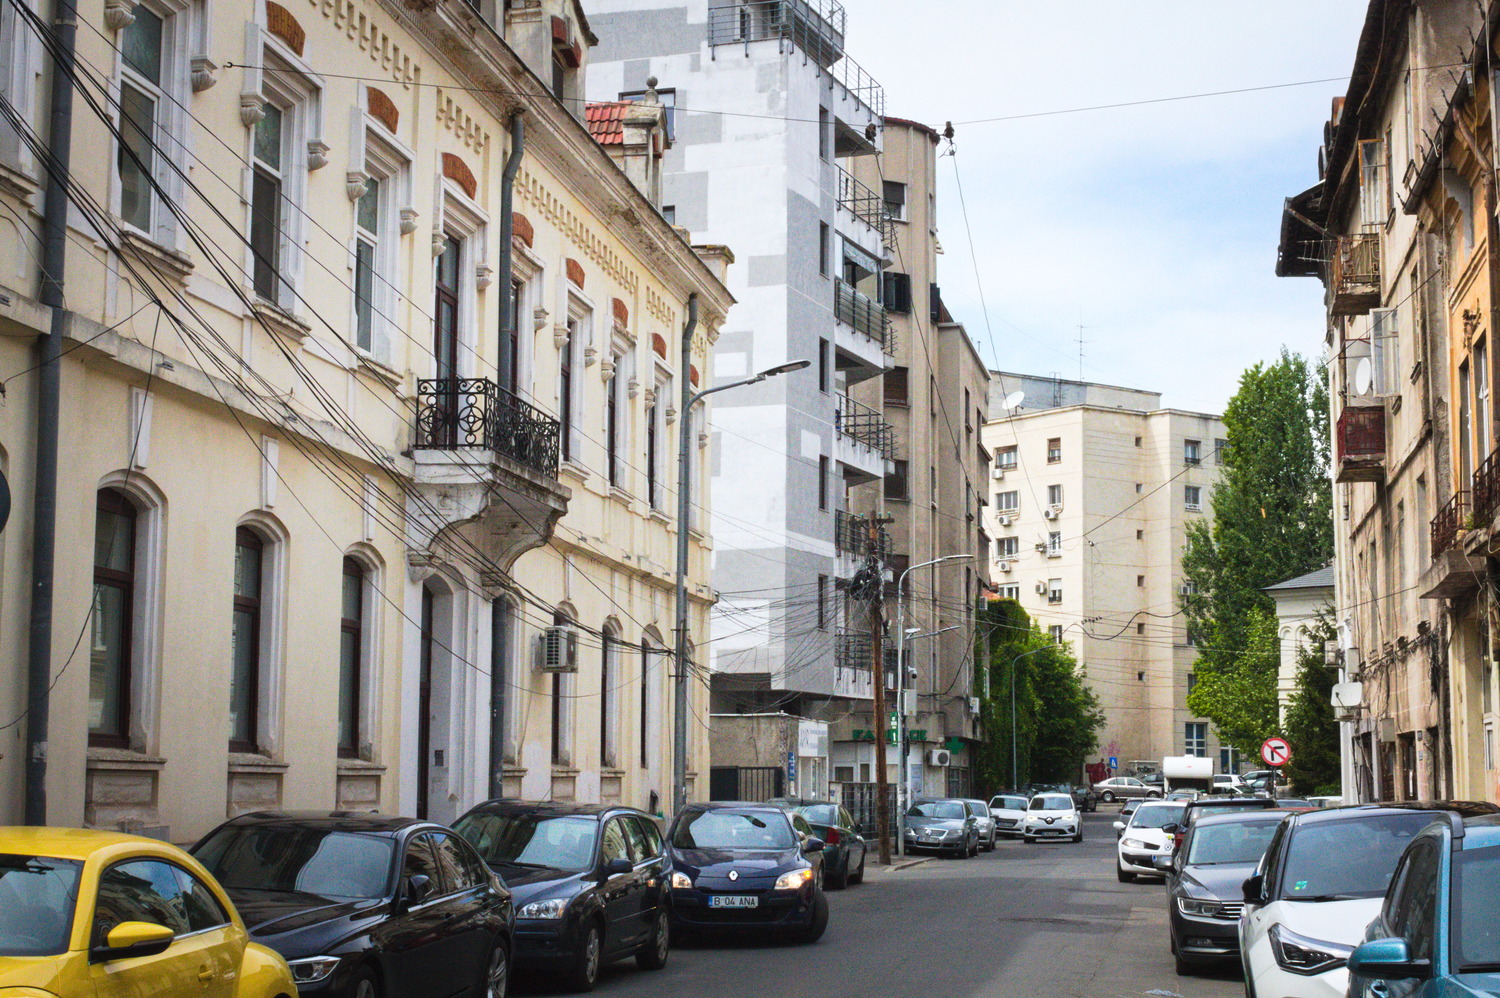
(1092,488)
(313,494)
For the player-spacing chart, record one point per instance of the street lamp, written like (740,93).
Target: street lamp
(684,483)
(901,750)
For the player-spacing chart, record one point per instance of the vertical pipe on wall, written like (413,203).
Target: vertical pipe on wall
(505,364)
(684,510)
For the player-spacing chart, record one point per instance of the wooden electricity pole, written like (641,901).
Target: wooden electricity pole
(874,585)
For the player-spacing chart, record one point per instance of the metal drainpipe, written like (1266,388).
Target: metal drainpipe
(684,492)
(49,398)
(499,636)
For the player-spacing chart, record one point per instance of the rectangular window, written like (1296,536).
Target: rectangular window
(1221,450)
(245,679)
(559,77)
(1229,760)
(823,249)
(932,395)
(895,483)
(565,391)
(1054,450)
(1482,396)
(1005,457)
(351,658)
(110,622)
(559,756)
(1054,590)
(1009,546)
(895,199)
(823,482)
(606,701)
(1140,535)
(825,366)
(1192,452)
(1055,632)
(653,457)
(1195,738)
(897,386)
(968,421)
(822,602)
(1054,544)
(612,429)
(265,201)
(1192,497)
(1008,502)
(895,291)
(366,240)
(1054,496)
(1140,628)
(1140,582)
(1192,680)
(825,133)
(669,213)
(141,107)
(1011,591)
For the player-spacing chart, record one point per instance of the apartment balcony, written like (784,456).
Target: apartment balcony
(854,682)
(1486,492)
(1360,444)
(1354,274)
(862,214)
(1453,572)
(862,339)
(862,441)
(482,454)
(853,546)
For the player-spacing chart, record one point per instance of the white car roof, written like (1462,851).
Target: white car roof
(1066,797)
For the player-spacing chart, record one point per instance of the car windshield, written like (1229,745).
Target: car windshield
(733,830)
(1009,803)
(318,861)
(37,895)
(1476,893)
(938,809)
(820,814)
(1051,804)
(1235,842)
(1204,810)
(1156,816)
(562,842)
(1349,857)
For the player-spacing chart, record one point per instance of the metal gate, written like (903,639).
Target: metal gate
(859,799)
(748,783)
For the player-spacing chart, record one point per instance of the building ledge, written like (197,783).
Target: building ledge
(117,758)
(1453,575)
(249,762)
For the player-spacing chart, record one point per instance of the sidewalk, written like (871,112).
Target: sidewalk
(874,871)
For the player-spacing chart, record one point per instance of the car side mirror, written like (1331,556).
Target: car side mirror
(1172,829)
(813,844)
(131,939)
(1254,889)
(617,866)
(1118,826)
(1387,959)
(418,888)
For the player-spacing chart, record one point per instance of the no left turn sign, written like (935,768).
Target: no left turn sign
(1275,752)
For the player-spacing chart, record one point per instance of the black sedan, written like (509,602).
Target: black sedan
(1204,892)
(365,905)
(587,882)
(844,844)
(742,866)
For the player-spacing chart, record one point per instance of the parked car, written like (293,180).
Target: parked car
(363,905)
(1228,783)
(1266,781)
(844,844)
(1052,816)
(1153,780)
(737,866)
(1085,798)
(1182,795)
(1128,808)
(1436,933)
(984,824)
(1206,805)
(1143,837)
(1319,884)
(1009,811)
(1205,892)
(587,882)
(135,916)
(1124,788)
(1325,801)
(944,826)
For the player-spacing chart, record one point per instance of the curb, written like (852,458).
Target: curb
(900,864)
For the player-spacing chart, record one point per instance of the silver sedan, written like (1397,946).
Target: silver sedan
(1123,788)
(985,822)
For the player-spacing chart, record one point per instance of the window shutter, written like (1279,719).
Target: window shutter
(896,291)
(935,303)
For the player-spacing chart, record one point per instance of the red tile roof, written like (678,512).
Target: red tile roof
(606,122)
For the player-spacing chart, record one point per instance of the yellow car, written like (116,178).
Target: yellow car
(86,914)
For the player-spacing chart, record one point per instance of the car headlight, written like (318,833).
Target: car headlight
(1201,907)
(551,908)
(1303,955)
(681,881)
(1134,844)
(793,880)
(312,969)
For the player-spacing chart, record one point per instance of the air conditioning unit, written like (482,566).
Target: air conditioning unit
(974,706)
(1186,589)
(1041,588)
(1050,513)
(1004,566)
(939,757)
(998,473)
(559,650)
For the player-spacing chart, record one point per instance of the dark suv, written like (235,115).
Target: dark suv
(588,883)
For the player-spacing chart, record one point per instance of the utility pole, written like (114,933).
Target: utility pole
(871,590)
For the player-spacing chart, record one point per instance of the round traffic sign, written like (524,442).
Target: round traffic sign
(1275,752)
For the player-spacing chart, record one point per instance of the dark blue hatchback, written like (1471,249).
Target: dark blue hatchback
(737,866)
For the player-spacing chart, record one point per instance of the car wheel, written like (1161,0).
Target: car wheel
(366,984)
(1154,795)
(585,973)
(819,923)
(839,880)
(858,876)
(1124,875)
(991,846)
(818,878)
(496,973)
(653,955)
(1079,836)
(1108,797)
(1028,838)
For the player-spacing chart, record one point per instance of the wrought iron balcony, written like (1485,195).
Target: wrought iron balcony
(865,204)
(859,311)
(864,424)
(1354,273)
(814,26)
(455,413)
(1487,490)
(1360,444)
(1448,522)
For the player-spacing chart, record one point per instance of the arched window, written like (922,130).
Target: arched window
(245,679)
(110,658)
(351,659)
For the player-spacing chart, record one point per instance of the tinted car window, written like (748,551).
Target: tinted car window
(36,904)
(637,841)
(612,843)
(951,809)
(1418,904)
(199,904)
(311,860)
(421,862)
(139,890)
(652,834)
(457,876)
(1051,804)
(801,826)
(723,829)
(563,842)
(1239,842)
(1476,898)
(1368,847)
(820,814)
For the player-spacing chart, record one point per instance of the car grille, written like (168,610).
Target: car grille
(1006,822)
(1230,910)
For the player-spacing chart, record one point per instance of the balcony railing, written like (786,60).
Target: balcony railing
(1360,444)
(476,412)
(864,314)
(1354,277)
(1487,489)
(851,536)
(814,26)
(857,197)
(1448,522)
(853,651)
(860,422)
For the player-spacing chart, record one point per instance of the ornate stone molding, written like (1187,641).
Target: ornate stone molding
(317,154)
(409,218)
(633,387)
(560,335)
(119,14)
(356,182)
(205,73)
(252,108)
(484,276)
(539,319)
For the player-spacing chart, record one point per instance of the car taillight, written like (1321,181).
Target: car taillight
(833,837)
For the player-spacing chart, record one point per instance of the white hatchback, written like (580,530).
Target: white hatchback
(1144,838)
(1009,812)
(1052,816)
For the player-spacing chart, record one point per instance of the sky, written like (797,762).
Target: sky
(1155,227)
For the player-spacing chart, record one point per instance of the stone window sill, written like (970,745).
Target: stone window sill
(174,262)
(281,322)
(248,762)
(124,759)
(359,767)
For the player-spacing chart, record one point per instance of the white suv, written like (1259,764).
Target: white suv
(1320,882)
(1052,816)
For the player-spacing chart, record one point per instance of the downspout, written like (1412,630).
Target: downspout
(684,509)
(49,396)
(499,637)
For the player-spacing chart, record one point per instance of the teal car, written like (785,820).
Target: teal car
(1437,934)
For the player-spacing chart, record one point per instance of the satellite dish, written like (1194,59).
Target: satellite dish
(1364,376)
(1013,400)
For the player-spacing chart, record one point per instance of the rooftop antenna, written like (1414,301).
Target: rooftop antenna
(1081,328)
(1013,401)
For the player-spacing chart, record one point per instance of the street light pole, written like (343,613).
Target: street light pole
(684,511)
(901,750)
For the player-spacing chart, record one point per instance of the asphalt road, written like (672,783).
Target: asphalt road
(1044,920)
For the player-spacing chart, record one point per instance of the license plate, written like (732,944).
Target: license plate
(733,901)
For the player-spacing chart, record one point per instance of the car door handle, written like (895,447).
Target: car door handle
(205,975)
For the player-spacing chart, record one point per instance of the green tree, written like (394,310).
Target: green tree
(1272,520)
(1310,726)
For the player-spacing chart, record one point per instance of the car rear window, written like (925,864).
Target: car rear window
(1009,803)
(948,809)
(820,814)
(1347,858)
